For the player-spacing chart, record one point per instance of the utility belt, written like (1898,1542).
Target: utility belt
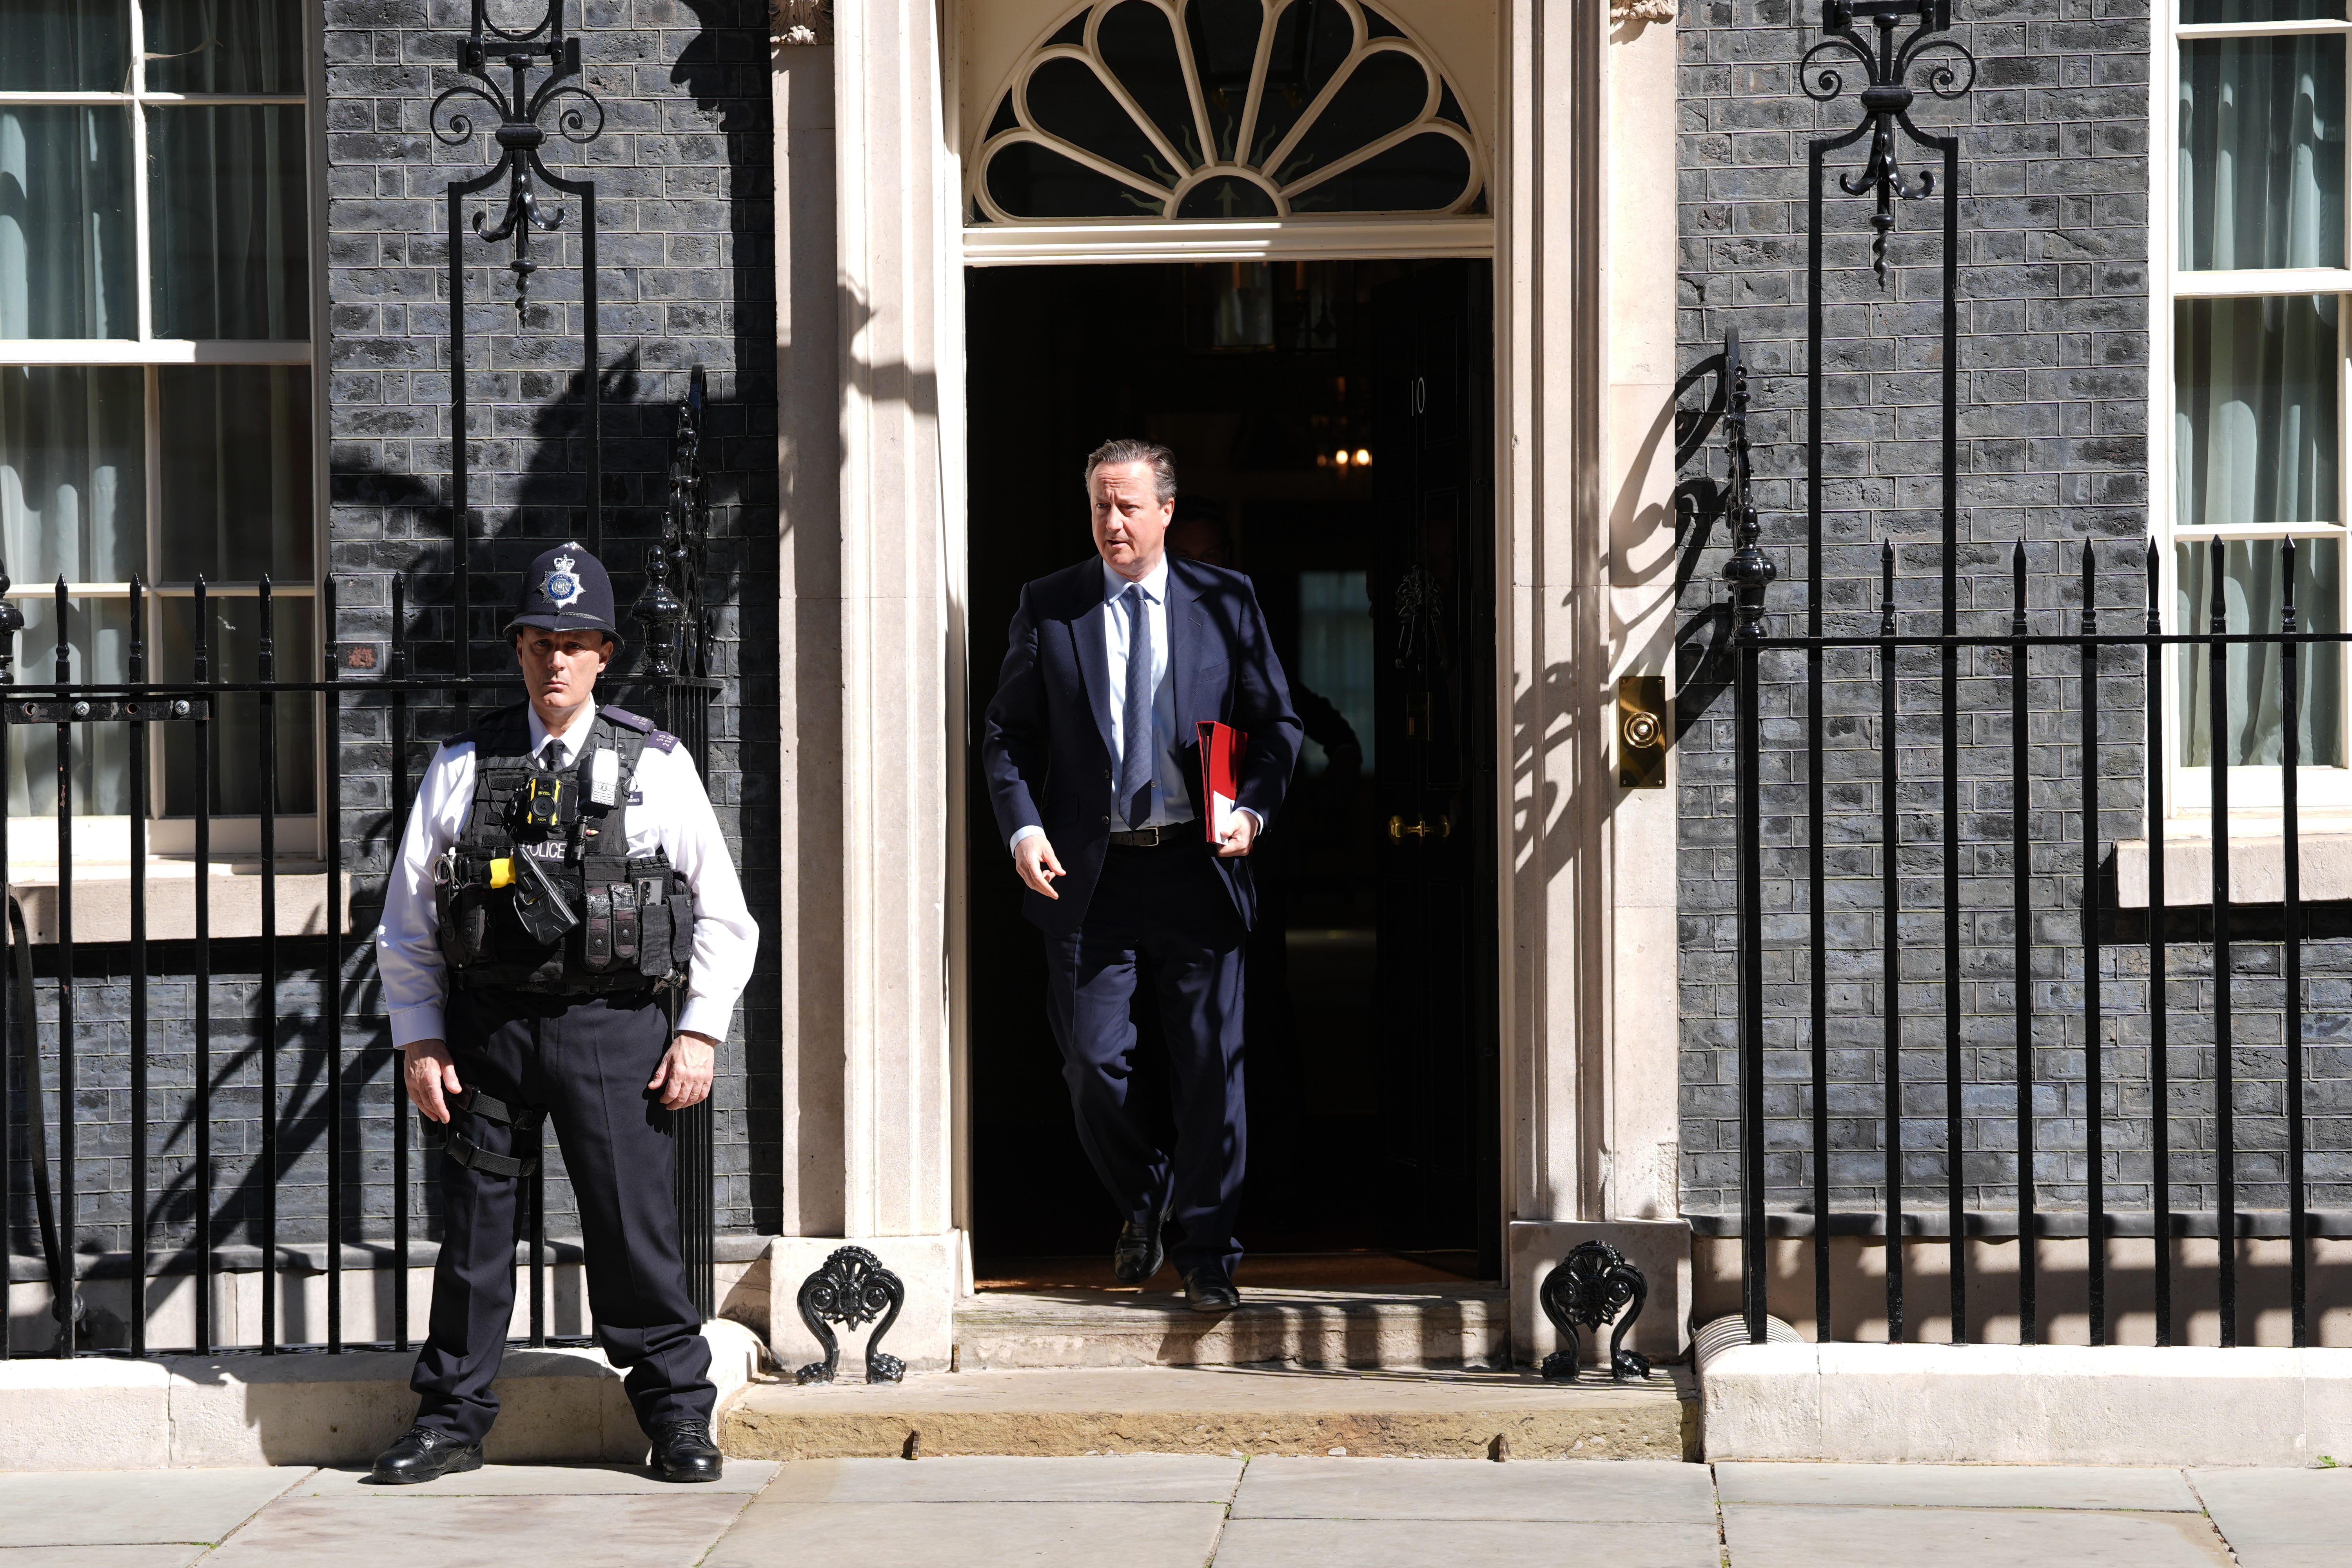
(514,921)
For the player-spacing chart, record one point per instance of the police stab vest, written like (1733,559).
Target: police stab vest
(540,893)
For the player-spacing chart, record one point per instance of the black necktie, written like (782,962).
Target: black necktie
(552,759)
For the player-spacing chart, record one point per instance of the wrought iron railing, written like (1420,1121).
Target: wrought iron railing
(2082,929)
(1892,785)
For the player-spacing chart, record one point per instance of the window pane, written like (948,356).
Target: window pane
(64,46)
(99,633)
(237,473)
(223,46)
(1335,664)
(2262,10)
(2261,152)
(237,764)
(2255,423)
(232,228)
(66,268)
(2252,592)
(73,473)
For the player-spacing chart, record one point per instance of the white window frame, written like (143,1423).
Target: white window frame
(109,836)
(2323,794)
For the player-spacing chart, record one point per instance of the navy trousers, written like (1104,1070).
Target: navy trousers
(586,1060)
(1169,907)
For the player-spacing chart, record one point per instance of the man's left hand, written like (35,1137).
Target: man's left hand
(684,1076)
(1240,835)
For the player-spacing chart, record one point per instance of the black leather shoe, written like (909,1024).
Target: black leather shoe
(683,1451)
(1208,1289)
(425,1454)
(1138,1256)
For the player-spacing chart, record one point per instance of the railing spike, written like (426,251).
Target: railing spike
(2219,607)
(2017,589)
(1887,587)
(2090,590)
(2287,573)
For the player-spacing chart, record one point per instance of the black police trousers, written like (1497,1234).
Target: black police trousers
(586,1060)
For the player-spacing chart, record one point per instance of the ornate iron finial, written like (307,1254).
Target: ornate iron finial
(1749,571)
(852,1288)
(1886,94)
(519,133)
(1592,1285)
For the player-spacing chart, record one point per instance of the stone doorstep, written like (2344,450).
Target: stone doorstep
(101,1412)
(1249,1411)
(2030,1404)
(1396,1327)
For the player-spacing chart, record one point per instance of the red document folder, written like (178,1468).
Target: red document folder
(1221,747)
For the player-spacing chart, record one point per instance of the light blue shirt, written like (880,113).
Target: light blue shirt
(1172,802)
(1172,797)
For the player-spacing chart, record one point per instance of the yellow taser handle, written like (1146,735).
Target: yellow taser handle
(502,872)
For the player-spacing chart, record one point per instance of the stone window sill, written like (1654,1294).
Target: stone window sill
(101,899)
(2257,866)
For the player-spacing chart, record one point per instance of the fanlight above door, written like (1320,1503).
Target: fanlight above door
(1225,111)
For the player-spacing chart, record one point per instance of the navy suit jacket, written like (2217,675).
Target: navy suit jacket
(1047,747)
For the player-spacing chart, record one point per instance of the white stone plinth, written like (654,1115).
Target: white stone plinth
(97,1414)
(2038,1404)
(931,1268)
(1660,1250)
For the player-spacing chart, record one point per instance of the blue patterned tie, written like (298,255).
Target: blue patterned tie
(1135,765)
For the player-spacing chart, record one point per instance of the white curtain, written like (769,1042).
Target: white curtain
(2261,152)
(64,45)
(2256,414)
(66,266)
(73,503)
(2254,594)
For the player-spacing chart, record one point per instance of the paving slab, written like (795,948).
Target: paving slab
(1230,1410)
(179,1554)
(1638,1492)
(573,1532)
(1468,1543)
(936,1535)
(743,1475)
(2280,1519)
(1760,1536)
(1143,1478)
(121,1508)
(1956,1486)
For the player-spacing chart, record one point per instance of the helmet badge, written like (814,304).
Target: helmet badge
(562,586)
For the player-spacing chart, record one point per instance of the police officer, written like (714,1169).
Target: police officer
(562,873)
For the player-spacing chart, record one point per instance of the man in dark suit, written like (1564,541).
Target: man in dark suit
(1091,750)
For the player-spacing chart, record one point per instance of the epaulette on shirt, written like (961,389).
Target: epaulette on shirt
(660,740)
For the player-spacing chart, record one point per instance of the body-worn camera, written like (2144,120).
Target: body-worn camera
(540,808)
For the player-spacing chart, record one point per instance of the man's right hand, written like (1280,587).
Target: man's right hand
(1034,859)
(431,1073)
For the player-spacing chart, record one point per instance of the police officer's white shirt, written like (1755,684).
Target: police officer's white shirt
(666,809)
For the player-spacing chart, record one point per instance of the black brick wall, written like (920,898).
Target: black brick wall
(2053,360)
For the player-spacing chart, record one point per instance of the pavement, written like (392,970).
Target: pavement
(1189,1512)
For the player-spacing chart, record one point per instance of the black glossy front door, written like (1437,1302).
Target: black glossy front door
(1433,611)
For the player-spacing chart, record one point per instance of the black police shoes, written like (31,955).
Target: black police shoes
(1137,1256)
(1209,1289)
(425,1454)
(683,1451)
